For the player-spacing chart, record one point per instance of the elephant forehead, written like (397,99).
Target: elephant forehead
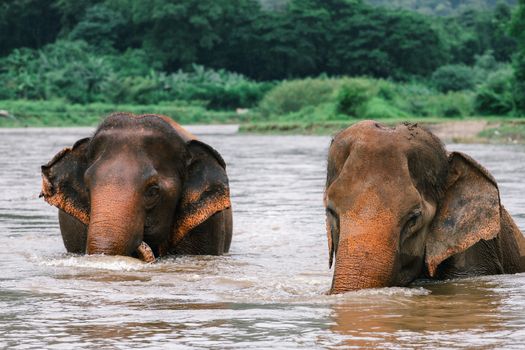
(372,131)
(378,161)
(372,181)
(369,206)
(141,141)
(368,197)
(135,135)
(366,129)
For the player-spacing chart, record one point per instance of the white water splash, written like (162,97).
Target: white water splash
(102,262)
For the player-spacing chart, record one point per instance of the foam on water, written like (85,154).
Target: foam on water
(101,262)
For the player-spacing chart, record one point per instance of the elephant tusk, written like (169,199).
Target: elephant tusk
(145,253)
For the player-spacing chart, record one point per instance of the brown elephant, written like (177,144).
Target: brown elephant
(400,207)
(140,186)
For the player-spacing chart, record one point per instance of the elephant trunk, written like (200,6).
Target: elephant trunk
(116,224)
(365,258)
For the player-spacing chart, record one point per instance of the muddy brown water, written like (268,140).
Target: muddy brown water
(269,292)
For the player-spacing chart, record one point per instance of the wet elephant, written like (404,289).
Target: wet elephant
(140,186)
(400,207)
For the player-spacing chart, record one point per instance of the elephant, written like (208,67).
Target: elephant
(141,186)
(400,207)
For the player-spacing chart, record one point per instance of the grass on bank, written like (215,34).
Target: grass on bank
(25,113)
(326,105)
(309,106)
(505,132)
(496,126)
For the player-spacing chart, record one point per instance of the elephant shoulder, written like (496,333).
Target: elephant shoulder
(512,244)
(483,258)
(211,237)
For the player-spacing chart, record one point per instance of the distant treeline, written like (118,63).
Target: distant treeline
(441,7)
(428,7)
(307,38)
(223,54)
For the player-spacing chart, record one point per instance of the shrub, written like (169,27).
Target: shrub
(292,96)
(387,90)
(496,95)
(63,69)
(219,88)
(454,78)
(61,113)
(70,70)
(453,104)
(519,82)
(364,98)
(100,27)
(353,96)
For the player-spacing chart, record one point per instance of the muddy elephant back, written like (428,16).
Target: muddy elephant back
(183,133)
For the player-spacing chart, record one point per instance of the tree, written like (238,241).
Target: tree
(27,23)
(72,11)
(453,78)
(186,32)
(395,44)
(518,30)
(100,27)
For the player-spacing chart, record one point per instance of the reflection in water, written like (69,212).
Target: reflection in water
(451,308)
(269,292)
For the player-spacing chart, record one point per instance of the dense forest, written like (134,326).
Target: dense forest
(231,53)
(429,7)
(441,7)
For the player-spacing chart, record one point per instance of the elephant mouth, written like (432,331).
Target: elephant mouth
(145,253)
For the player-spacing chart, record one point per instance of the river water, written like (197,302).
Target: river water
(268,292)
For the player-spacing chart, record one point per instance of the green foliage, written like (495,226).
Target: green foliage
(439,7)
(453,78)
(292,96)
(59,113)
(181,33)
(283,40)
(508,132)
(495,96)
(219,88)
(452,104)
(360,98)
(67,70)
(353,97)
(519,82)
(100,27)
(59,70)
(27,23)
(518,30)
(154,52)
(378,108)
(383,43)
(475,30)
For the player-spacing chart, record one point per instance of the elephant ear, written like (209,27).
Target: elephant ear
(469,211)
(63,181)
(205,190)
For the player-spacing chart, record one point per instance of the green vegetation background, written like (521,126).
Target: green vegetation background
(66,62)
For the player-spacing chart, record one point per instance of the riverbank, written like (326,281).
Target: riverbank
(23,114)
(469,130)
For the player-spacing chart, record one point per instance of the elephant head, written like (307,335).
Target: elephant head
(398,205)
(139,185)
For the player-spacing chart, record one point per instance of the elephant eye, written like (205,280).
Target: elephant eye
(152,191)
(413,219)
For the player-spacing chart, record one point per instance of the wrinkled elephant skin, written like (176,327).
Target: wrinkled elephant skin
(140,186)
(400,207)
